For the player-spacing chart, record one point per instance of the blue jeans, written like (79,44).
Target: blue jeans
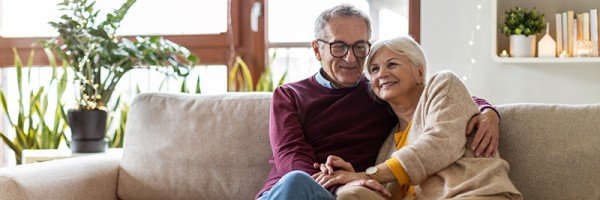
(296,185)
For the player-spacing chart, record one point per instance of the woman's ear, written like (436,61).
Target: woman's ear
(315,47)
(420,73)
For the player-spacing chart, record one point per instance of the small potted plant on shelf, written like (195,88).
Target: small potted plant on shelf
(521,25)
(99,59)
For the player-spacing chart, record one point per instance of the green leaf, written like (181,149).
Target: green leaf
(184,88)
(14,146)
(282,79)
(198,91)
(19,66)
(21,137)
(4,107)
(246,73)
(63,114)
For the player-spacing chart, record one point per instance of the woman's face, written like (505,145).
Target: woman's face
(393,75)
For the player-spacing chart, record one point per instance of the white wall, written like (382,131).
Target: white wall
(447,28)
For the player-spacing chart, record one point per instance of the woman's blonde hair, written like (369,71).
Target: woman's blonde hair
(402,45)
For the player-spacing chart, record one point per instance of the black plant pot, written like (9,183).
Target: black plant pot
(88,130)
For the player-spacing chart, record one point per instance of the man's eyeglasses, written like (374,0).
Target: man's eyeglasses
(340,49)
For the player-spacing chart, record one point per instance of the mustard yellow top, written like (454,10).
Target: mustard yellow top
(396,167)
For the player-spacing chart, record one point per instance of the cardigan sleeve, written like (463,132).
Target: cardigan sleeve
(442,114)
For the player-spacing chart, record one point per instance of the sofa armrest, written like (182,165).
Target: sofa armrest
(87,177)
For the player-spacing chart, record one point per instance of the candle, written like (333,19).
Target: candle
(564,54)
(504,54)
(584,48)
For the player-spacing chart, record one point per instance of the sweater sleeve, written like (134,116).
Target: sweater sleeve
(290,149)
(483,104)
(444,114)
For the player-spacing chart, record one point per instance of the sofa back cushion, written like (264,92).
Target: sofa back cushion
(553,150)
(196,146)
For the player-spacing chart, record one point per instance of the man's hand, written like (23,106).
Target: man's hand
(486,138)
(333,162)
(371,184)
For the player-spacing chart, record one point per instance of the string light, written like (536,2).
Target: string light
(473,49)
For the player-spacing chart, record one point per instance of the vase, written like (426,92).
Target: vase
(88,131)
(522,46)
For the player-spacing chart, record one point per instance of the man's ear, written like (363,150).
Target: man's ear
(316,49)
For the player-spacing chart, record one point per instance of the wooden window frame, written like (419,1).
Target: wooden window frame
(213,49)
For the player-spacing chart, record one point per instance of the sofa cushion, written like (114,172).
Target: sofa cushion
(195,146)
(553,150)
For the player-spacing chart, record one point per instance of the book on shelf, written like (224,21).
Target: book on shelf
(594,31)
(570,32)
(586,26)
(564,32)
(559,40)
(579,28)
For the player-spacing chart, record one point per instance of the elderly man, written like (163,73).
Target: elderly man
(331,113)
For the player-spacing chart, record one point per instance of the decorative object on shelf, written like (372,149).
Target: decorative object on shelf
(99,60)
(563,54)
(584,48)
(594,31)
(504,54)
(522,46)
(547,45)
(521,25)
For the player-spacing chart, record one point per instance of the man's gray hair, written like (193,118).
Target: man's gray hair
(342,10)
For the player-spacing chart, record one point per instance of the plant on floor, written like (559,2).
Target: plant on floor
(32,130)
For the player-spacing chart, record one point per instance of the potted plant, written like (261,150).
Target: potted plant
(31,126)
(521,25)
(99,59)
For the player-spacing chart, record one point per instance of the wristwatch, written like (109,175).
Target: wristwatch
(371,171)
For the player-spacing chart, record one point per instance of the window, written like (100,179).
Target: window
(201,26)
(145,17)
(290,37)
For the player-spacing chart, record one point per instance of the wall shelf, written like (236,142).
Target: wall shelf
(549,8)
(545,60)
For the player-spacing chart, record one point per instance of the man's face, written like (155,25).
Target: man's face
(347,70)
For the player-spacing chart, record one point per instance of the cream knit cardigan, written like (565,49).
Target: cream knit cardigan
(436,157)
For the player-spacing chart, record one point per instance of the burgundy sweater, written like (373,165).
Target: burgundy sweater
(309,122)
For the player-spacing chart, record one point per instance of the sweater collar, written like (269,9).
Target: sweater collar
(320,77)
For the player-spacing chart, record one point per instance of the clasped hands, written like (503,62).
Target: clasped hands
(336,171)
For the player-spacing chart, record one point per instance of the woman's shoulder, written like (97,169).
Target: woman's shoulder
(443,77)
(445,83)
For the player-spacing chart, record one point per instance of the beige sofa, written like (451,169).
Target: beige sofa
(217,147)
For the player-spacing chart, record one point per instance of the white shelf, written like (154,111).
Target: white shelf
(548,8)
(546,60)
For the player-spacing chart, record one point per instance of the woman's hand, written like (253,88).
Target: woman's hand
(371,184)
(339,177)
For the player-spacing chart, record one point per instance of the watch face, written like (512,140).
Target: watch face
(371,170)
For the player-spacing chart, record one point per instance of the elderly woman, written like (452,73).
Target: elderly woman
(430,159)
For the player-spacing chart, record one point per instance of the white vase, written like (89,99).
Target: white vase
(522,46)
